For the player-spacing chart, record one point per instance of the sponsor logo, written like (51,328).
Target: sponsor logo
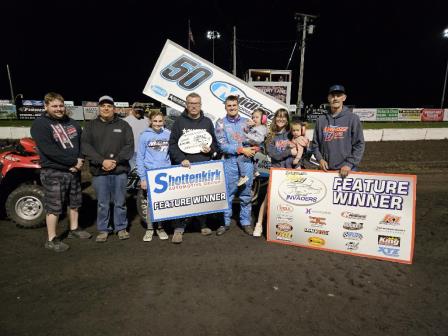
(301,190)
(390,230)
(317,221)
(309,211)
(352,246)
(177,100)
(246,105)
(352,215)
(284,208)
(316,241)
(389,241)
(352,235)
(284,227)
(389,251)
(353,226)
(391,220)
(284,217)
(159,90)
(282,235)
(316,231)
(164,181)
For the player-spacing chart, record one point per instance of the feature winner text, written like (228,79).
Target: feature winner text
(186,201)
(370,193)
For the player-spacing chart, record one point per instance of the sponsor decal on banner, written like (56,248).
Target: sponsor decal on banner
(365,214)
(365,114)
(202,188)
(409,114)
(432,115)
(387,114)
(283,231)
(179,72)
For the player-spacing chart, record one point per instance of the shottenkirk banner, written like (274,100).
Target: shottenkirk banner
(179,72)
(369,215)
(177,192)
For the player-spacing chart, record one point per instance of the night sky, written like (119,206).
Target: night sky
(386,53)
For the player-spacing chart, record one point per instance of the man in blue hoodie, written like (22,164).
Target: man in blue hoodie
(338,140)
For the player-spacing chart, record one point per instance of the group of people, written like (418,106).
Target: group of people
(112,145)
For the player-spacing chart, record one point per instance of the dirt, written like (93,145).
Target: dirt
(233,284)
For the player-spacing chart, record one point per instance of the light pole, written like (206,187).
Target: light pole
(445,35)
(307,28)
(212,35)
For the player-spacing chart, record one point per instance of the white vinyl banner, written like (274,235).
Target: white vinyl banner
(369,215)
(365,114)
(179,72)
(177,192)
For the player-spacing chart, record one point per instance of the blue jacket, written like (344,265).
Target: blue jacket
(339,140)
(152,151)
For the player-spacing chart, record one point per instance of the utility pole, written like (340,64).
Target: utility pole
(307,28)
(10,84)
(234,51)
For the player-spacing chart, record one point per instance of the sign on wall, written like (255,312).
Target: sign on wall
(177,192)
(179,72)
(368,215)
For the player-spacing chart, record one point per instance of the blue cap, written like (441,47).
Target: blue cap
(336,88)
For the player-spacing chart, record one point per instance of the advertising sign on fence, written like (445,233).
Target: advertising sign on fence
(90,109)
(7,111)
(30,109)
(387,114)
(179,72)
(409,114)
(432,115)
(369,215)
(177,192)
(365,114)
(75,112)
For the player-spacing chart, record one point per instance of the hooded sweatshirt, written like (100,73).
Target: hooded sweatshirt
(279,150)
(182,125)
(111,140)
(152,150)
(339,139)
(58,141)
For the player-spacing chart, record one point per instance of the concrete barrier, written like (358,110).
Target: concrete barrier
(396,134)
(436,133)
(373,135)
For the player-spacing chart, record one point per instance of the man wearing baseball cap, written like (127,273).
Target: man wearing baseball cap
(338,140)
(108,144)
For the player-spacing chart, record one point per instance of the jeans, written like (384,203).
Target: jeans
(111,188)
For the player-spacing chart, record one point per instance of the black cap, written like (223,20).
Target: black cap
(336,88)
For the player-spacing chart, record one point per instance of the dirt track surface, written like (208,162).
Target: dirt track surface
(234,284)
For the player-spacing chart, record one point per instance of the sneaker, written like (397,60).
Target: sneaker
(248,229)
(123,234)
(162,234)
(222,229)
(56,245)
(242,180)
(256,174)
(148,235)
(258,230)
(78,233)
(102,237)
(206,231)
(177,237)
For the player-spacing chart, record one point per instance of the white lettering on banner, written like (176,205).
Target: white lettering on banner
(370,193)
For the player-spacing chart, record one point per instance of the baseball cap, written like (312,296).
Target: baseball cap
(106,99)
(336,88)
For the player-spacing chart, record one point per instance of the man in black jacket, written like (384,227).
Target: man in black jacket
(191,119)
(108,144)
(58,140)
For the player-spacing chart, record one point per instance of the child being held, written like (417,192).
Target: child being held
(153,153)
(298,141)
(255,134)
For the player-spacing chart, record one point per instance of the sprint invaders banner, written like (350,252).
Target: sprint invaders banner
(177,192)
(369,215)
(179,72)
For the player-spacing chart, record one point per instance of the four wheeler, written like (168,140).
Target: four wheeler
(20,189)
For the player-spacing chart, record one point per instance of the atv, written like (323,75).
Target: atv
(20,189)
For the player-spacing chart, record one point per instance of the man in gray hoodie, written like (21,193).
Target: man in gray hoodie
(338,140)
